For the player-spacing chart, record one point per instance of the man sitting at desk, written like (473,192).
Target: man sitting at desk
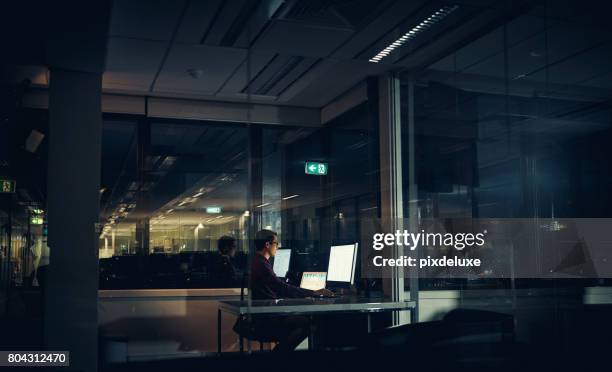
(289,331)
(265,285)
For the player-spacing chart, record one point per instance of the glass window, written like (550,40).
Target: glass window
(24,254)
(170,191)
(513,125)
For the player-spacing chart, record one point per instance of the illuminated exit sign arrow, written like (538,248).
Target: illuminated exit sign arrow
(315,168)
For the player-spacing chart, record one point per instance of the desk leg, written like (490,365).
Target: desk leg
(219,331)
(413,316)
(369,323)
(310,338)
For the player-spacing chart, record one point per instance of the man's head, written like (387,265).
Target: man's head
(227,245)
(266,242)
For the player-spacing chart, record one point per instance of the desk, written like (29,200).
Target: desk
(308,306)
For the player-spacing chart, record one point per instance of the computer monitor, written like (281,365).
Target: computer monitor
(313,280)
(341,266)
(281,262)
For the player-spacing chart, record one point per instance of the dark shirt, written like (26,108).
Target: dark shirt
(265,285)
(224,274)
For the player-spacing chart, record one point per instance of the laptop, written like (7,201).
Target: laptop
(313,280)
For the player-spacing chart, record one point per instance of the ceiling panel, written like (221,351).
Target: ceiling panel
(197,21)
(145,19)
(295,38)
(583,67)
(217,65)
(223,21)
(330,82)
(238,81)
(132,64)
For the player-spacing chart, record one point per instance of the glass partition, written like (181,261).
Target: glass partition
(511,125)
(174,190)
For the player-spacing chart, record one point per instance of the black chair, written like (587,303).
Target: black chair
(246,330)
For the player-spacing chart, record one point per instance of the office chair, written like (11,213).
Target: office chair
(246,331)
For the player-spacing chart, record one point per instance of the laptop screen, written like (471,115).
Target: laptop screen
(313,280)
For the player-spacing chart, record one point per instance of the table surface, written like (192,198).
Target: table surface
(314,305)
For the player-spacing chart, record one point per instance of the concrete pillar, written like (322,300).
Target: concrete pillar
(75,51)
(71,296)
(143,236)
(113,246)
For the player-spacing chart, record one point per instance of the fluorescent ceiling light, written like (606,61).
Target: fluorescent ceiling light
(424,25)
(290,197)
(262,205)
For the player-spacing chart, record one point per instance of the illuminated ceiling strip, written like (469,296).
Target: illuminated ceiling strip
(424,25)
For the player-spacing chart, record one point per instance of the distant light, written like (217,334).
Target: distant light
(368,209)
(424,25)
(198,195)
(246,213)
(262,205)
(290,197)
(200,226)
(170,210)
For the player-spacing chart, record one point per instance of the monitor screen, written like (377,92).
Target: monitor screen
(313,280)
(281,262)
(341,267)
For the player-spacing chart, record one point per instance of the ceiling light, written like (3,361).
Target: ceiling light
(290,197)
(422,26)
(262,205)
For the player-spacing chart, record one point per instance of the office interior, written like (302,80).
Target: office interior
(136,134)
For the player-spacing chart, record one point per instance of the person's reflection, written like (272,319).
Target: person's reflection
(224,273)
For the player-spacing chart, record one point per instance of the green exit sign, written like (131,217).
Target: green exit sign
(7,186)
(315,168)
(213,209)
